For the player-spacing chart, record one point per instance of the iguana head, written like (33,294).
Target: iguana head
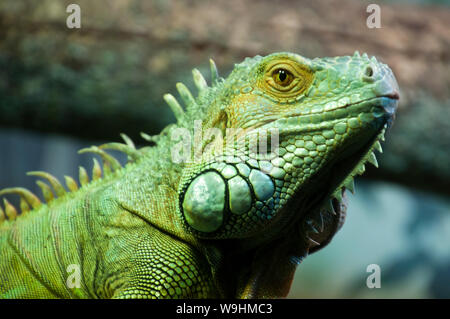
(321,118)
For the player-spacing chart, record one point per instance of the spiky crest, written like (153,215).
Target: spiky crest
(111,164)
(54,188)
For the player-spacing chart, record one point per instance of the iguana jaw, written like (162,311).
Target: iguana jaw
(344,169)
(348,161)
(340,178)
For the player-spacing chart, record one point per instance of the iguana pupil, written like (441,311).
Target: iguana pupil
(282,75)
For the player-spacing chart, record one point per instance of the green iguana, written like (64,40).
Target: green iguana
(227,212)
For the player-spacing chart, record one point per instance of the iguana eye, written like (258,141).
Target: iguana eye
(282,77)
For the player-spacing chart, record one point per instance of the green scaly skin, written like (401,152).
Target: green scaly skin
(229,222)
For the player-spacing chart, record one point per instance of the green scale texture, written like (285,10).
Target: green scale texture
(229,219)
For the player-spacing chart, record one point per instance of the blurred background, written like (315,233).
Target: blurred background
(63,89)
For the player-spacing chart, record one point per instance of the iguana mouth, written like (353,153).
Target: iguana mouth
(394,95)
(297,123)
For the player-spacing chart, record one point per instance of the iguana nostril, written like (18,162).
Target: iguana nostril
(369,74)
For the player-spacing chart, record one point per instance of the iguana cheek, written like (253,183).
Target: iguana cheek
(262,185)
(228,188)
(240,195)
(204,202)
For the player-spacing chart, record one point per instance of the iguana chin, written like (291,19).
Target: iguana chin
(232,221)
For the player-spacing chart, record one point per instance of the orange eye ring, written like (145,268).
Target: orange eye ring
(284,78)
